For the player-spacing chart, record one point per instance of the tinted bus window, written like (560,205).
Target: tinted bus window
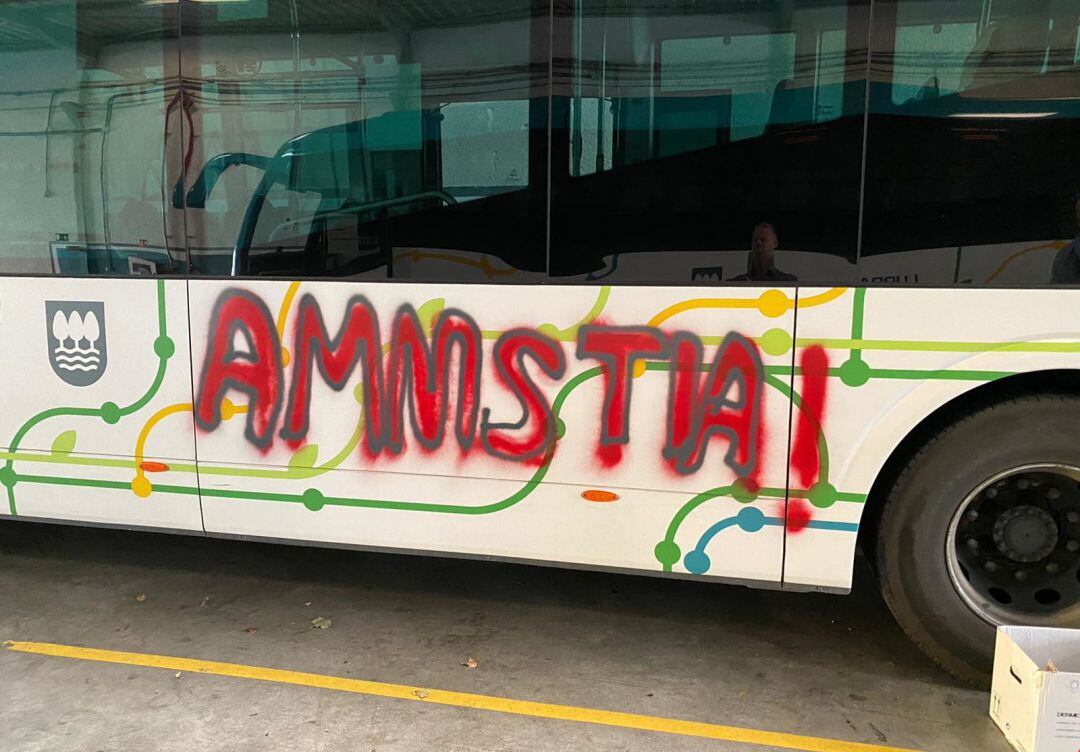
(973,169)
(90,137)
(687,133)
(368,140)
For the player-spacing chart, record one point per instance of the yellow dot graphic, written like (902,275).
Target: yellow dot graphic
(141,486)
(639,369)
(773,303)
(285,357)
(228,409)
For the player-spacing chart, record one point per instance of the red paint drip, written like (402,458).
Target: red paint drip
(618,352)
(751,484)
(609,455)
(752,481)
(798,515)
(805,456)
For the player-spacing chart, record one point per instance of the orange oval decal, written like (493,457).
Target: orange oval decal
(153,467)
(600,496)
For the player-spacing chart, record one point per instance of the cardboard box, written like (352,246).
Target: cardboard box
(1034,705)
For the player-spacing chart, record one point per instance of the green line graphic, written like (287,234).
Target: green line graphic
(909,345)
(314,499)
(858,308)
(822,495)
(853,372)
(569,334)
(796,398)
(110,412)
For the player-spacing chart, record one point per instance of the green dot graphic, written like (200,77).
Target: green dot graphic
(313,499)
(775,342)
(854,372)
(742,493)
(110,413)
(164,347)
(822,495)
(667,552)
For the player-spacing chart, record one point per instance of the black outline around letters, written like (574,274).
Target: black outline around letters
(438,358)
(373,384)
(548,418)
(607,361)
(688,457)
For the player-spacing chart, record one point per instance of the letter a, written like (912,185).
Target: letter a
(255,372)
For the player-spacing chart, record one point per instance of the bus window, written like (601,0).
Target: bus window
(930,58)
(90,138)
(380,141)
(679,129)
(972,154)
(751,66)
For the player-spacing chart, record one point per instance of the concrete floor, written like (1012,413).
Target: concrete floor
(821,665)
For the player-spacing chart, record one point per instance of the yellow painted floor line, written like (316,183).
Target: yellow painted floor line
(458,699)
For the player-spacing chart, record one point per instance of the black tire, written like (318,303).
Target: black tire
(912,558)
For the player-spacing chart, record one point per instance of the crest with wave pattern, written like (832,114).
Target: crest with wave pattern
(76,337)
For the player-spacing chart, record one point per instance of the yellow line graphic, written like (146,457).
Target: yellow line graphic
(483,264)
(283,312)
(283,317)
(822,297)
(458,699)
(771,303)
(140,484)
(1055,245)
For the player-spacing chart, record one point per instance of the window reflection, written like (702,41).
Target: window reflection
(370,140)
(411,139)
(681,130)
(90,133)
(973,157)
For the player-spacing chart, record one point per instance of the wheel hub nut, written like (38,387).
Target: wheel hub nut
(1025,533)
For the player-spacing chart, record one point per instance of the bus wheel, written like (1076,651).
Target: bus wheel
(982,528)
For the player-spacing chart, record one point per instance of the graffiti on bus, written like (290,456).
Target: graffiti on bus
(435,374)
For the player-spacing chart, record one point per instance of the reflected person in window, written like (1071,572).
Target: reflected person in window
(1066,268)
(761,261)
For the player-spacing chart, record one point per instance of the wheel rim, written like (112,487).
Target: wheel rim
(1013,548)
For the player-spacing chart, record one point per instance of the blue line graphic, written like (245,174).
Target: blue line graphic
(749,520)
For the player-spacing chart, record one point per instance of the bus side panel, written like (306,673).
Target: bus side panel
(97,420)
(894,356)
(321,452)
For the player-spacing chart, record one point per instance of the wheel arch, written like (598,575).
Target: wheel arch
(1047,381)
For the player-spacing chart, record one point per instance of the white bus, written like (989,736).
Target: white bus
(711,289)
